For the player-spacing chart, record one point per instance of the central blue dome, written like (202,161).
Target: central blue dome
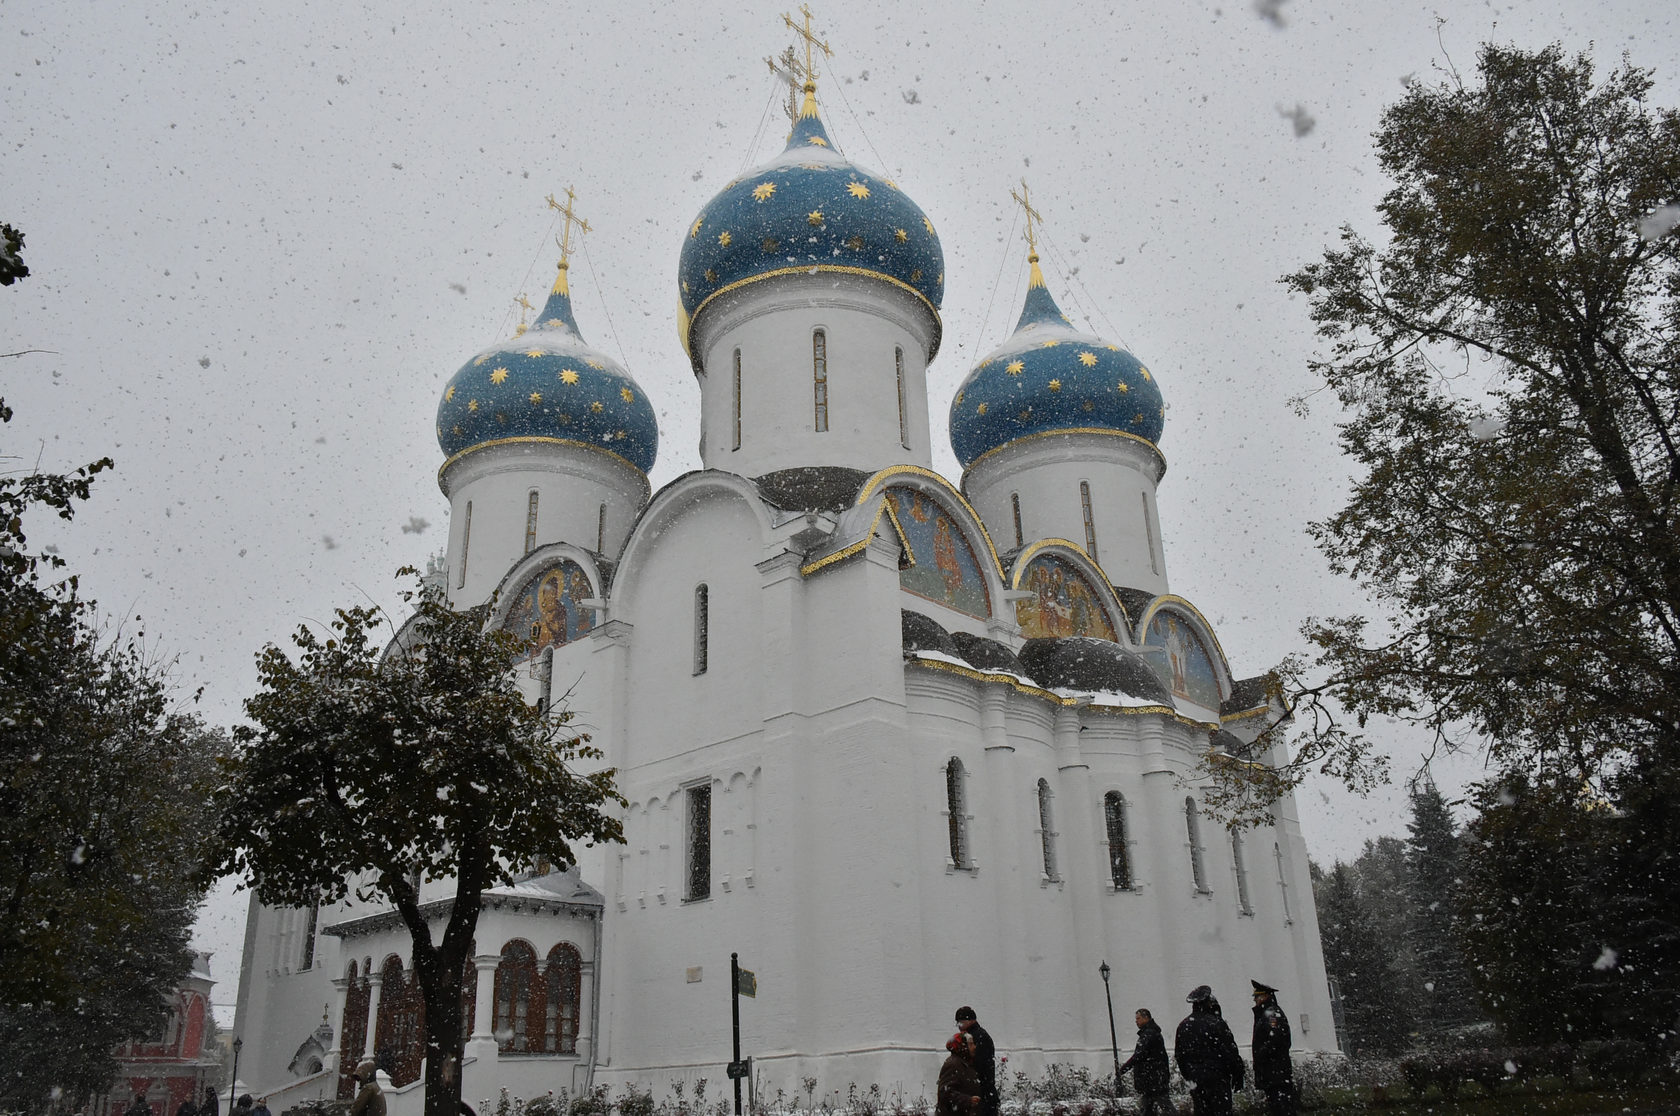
(546,385)
(1048,378)
(808,210)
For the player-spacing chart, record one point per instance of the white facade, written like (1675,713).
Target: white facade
(893,771)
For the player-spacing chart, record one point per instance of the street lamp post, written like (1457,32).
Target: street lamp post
(233,1082)
(1113,1038)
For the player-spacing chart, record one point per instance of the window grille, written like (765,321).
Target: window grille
(819,376)
(1090,523)
(737,444)
(1119,854)
(956,805)
(601,531)
(699,882)
(564,979)
(903,419)
(702,621)
(1015,506)
(1243,903)
(1193,828)
(531,522)
(1047,833)
(466,540)
(516,984)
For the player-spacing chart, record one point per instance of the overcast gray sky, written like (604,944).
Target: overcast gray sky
(262,237)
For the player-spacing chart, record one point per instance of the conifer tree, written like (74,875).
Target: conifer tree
(1443,995)
(1375,1013)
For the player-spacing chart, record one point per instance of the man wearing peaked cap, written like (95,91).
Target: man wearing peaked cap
(1274,1071)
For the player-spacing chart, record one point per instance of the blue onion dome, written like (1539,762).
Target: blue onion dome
(808,210)
(545,385)
(1048,377)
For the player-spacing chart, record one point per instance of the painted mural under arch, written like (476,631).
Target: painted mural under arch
(942,567)
(1177,655)
(1063,602)
(548,610)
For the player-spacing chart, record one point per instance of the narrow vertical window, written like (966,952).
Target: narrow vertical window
(701,622)
(1015,506)
(1119,854)
(819,377)
(466,540)
(956,806)
(531,522)
(1090,523)
(1193,830)
(1149,533)
(1283,884)
(1241,869)
(308,959)
(601,531)
(737,405)
(565,979)
(903,419)
(699,881)
(1046,831)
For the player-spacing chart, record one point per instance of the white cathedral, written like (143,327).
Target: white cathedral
(901,744)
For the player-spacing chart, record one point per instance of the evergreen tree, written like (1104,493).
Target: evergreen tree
(1443,994)
(1375,1012)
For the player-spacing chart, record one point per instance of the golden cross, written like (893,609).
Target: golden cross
(564,240)
(523,304)
(1032,215)
(810,41)
(787,66)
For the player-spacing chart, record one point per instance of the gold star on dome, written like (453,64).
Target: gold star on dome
(501,417)
(1051,344)
(711,276)
(771,244)
(916,275)
(533,352)
(695,231)
(855,243)
(858,190)
(685,286)
(1112,348)
(1138,417)
(900,235)
(565,420)
(724,238)
(1055,385)
(568,376)
(890,182)
(450,394)
(980,410)
(817,140)
(1088,359)
(1087,406)
(812,166)
(814,218)
(536,397)
(472,404)
(1144,370)
(498,374)
(928,225)
(479,363)
(627,395)
(621,434)
(1014,367)
(1121,387)
(455,430)
(763,190)
(596,407)
(1026,413)
(960,395)
(595,364)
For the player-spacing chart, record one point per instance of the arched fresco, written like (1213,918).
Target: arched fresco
(1063,602)
(548,610)
(942,564)
(1176,653)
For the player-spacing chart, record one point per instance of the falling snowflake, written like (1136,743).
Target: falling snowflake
(1606,960)
(1299,118)
(415,525)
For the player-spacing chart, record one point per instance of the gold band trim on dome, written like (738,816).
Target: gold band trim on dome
(542,440)
(1056,699)
(1098,430)
(837,269)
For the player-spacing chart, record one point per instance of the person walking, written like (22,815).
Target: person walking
(241,1107)
(261,1108)
(985,1060)
(1148,1065)
(1207,1055)
(1274,1071)
(370,1098)
(959,1085)
(138,1107)
(212,1105)
(187,1107)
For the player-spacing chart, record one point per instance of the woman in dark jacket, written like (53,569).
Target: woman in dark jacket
(959,1085)
(1148,1064)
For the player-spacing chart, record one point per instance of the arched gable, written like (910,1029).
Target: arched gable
(1179,644)
(541,599)
(950,558)
(1070,596)
(677,499)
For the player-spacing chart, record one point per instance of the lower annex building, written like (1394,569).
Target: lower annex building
(852,705)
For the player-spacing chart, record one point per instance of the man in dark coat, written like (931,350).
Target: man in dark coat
(1207,1055)
(985,1060)
(138,1107)
(212,1105)
(959,1086)
(1274,1072)
(1148,1064)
